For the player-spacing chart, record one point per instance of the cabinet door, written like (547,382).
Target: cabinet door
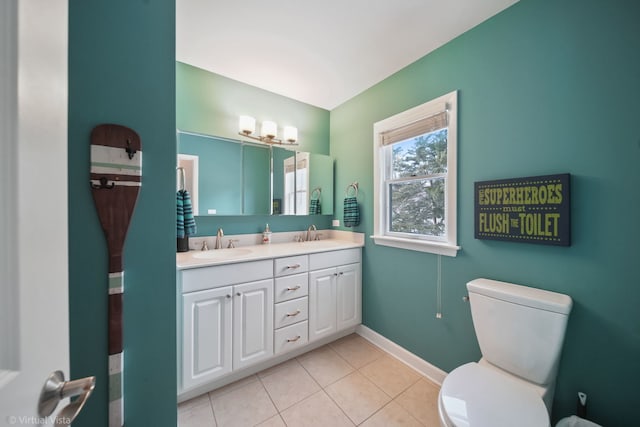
(322,303)
(349,296)
(253,322)
(206,335)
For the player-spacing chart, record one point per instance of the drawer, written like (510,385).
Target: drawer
(290,312)
(197,279)
(291,337)
(334,258)
(291,287)
(290,265)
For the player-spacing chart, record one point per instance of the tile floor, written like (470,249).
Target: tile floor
(348,382)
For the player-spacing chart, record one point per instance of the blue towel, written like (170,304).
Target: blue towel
(314,207)
(351,212)
(185,222)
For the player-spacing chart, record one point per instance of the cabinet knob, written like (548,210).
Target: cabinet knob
(228,295)
(239,294)
(293,339)
(292,267)
(295,313)
(293,288)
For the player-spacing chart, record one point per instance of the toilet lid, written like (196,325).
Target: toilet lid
(476,396)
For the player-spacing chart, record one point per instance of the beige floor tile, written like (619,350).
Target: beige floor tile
(196,412)
(392,415)
(245,406)
(274,369)
(421,401)
(318,410)
(325,366)
(289,385)
(202,400)
(391,375)
(356,350)
(230,387)
(358,397)
(275,421)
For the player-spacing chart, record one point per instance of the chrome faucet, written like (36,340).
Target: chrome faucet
(311,228)
(219,238)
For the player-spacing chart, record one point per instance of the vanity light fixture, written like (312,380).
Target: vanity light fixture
(268,131)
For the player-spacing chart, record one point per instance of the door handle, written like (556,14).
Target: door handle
(56,389)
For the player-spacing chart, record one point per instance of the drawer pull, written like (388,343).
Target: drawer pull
(293,314)
(293,339)
(293,288)
(292,267)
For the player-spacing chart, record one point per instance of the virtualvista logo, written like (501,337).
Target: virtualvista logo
(30,420)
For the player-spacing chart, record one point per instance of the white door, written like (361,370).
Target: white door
(252,323)
(206,347)
(322,303)
(349,296)
(34,334)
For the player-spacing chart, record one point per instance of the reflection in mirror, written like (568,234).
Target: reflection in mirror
(232,177)
(308,184)
(320,173)
(282,157)
(256,190)
(219,173)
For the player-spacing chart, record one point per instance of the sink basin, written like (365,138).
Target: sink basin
(222,253)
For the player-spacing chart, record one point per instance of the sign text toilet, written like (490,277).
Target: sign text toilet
(533,209)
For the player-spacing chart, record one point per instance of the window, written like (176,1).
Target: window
(415,178)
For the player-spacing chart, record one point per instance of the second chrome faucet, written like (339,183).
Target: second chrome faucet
(219,239)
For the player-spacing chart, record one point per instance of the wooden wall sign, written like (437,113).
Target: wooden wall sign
(533,209)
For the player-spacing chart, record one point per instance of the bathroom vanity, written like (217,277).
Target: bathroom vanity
(244,309)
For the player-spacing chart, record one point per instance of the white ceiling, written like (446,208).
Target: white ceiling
(319,52)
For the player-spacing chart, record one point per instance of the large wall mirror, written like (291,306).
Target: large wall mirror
(233,177)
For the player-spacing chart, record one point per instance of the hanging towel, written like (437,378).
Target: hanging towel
(314,207)
(351,211)
(185,222)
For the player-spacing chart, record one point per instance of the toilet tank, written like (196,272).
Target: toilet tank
(519,329)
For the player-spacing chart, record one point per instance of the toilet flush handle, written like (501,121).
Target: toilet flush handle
(465,298)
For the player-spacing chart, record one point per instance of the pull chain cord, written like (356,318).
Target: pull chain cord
(439,289)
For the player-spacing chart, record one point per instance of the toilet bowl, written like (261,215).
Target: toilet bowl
(520,331)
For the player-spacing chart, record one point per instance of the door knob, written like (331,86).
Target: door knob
(56,389)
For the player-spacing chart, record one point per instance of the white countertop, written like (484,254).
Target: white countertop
(195,258)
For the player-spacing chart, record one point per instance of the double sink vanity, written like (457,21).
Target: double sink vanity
(243,309)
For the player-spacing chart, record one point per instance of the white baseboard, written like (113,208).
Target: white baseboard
(430,371)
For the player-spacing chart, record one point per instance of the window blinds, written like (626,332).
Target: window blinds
(419,127)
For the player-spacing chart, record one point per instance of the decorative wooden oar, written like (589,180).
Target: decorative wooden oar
(116,173)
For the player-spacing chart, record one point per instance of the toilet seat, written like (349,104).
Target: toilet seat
(477,396)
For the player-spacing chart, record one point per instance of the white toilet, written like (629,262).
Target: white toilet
(520,331)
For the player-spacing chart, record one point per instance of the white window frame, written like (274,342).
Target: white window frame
(442,245)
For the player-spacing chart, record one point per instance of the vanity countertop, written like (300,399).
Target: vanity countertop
(195,259)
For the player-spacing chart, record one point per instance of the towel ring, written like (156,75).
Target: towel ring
(353,186)
(316,192)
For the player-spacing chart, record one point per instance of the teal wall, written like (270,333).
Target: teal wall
(122,70)
(545,87)
(211,104)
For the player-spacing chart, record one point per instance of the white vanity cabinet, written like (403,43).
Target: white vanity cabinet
(227,319)
(292,303)
(252,323)
(206,335)
(335,292)
(238,318)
